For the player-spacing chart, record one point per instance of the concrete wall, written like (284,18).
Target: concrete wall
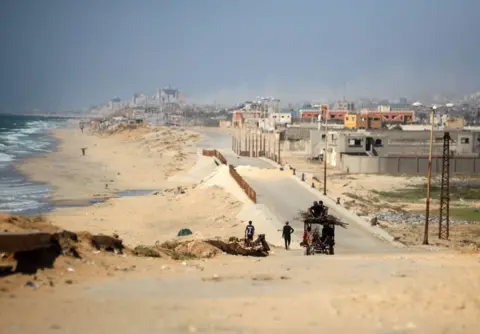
(406,165)
(398,142)
(297,133)
(300,146)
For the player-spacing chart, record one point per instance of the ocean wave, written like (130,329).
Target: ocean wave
(21,137)
(21,206)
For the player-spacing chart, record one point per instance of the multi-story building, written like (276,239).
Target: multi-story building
(392,117)
(387,143)
(363,121)
(246,118)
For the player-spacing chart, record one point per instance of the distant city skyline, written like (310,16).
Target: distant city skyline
(66,54)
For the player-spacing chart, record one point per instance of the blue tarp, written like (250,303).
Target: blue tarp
(184,232)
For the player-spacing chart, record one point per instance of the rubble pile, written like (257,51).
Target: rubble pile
(82,245)
(234,246)
(412,218)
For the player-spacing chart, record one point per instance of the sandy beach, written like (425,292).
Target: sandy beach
(139,159)
(133,159)
(415,292)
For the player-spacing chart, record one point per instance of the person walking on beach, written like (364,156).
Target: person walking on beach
(249,232)
(81,126)
(287,234)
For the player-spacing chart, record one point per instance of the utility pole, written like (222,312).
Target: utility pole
(444,222)
(429,179)
(279,160)
(325,155)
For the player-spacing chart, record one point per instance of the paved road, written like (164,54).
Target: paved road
(222,141)
(284,197)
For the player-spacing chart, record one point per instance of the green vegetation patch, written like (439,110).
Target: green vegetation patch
(469,214)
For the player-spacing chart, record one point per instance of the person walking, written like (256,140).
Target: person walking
(287,234)
(249,232)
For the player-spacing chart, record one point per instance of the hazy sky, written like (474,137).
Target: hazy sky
(57,54)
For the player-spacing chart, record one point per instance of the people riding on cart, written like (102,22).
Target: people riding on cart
(317,210)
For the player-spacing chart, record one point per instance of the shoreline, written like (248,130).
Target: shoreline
(30,139)
(131,183)
(103,176)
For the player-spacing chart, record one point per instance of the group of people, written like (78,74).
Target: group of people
(286,234)
(316,210)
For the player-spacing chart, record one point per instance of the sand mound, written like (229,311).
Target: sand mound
(204,167)
(9,223)
(221,178)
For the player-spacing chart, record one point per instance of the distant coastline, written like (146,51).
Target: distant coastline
(54,115)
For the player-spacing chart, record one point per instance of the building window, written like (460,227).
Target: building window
(354,142)
(465,140)
(323,136)
(378,142)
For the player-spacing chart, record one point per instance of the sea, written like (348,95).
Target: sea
(22,137)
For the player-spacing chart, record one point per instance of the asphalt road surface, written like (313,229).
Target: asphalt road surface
(284,197)
(222,141)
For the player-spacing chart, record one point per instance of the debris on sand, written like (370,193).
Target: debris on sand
(258,248)
(188,249)
(108,243)
(176,191)
(146,251)
(67,243)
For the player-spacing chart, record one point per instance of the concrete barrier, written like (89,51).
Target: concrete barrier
(410,165)
(243,184)
(13,242)
(216,154)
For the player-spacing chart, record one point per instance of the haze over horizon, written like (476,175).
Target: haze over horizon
(68,54)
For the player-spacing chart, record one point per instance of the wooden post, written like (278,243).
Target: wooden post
(246,145)
(429,179)
(264,153)
(279,160)
(268,156)
(239,145)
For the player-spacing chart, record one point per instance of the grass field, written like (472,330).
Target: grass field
(469,214)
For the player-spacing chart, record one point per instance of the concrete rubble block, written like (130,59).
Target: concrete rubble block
(107,243)
(12,242)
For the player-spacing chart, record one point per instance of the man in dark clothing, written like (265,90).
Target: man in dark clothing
(321,209)
(328,231)
(249,232)
(287,234)
(314,212)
